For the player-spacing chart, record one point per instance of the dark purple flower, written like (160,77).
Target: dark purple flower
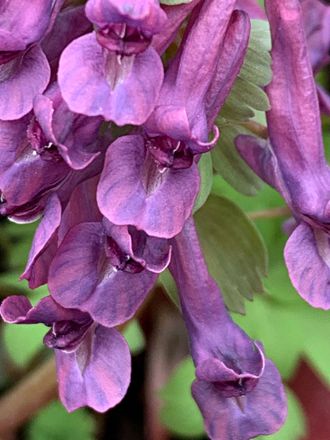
(152,178)
(293,160)
(93,362)
(106,270)
(252,7)
(113,71)
(47,144)
(24,70)
(238,391)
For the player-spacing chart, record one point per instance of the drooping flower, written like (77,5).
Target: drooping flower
(293,160)
(49,144)
(106,270)
(238,391)
(93,362)
(152,178)
(24,69)
(114,72)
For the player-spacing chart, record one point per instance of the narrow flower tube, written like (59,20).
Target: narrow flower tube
(238,391)
(293,160)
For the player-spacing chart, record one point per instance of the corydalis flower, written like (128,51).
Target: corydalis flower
(93,362)
(293,160)
(152,178)
(106,270)
(113,71)
(238,391)
(24,70)
(48,144)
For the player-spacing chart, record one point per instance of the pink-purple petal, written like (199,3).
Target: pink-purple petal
(133,191)
(97,374)
(307,256)
(129,98)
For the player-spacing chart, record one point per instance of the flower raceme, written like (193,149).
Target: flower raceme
(116,208)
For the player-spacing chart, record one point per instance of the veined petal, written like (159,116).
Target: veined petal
(97,374)
(133,191)
(82,277)
(94,83)
(294,128)
(231,57)
(307,256)
(20,81)
(44,244)
(262,411)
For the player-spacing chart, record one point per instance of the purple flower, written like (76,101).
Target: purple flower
(106,270)
(238,391)
(113,71)
(24,70)
(93,362)
(152,178)
(293,160)
(47,144)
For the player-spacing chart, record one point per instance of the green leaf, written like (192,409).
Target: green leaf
(134,337)
(251,94)
(174,2)
(180,413)
(231,241)
(229,164)
(206,175)
(295,425)
(55,423)
(23,342)
(168,283)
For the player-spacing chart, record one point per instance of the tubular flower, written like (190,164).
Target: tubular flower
(293,161)
(154,175)
(238,391)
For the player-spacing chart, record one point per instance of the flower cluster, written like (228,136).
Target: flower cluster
(116,210)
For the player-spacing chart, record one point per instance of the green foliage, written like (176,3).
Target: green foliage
(134,337)
(230,240)
(23,342)
(55,423)
(229,164)
(206,175)
(180,412)
(168,283)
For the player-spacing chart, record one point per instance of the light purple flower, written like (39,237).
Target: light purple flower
(238,391)
(293,160)
(113,71)
(24,70)
(151,180)
(93,362)
(106,270)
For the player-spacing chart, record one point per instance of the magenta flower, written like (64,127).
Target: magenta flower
(113,71)
(293,160)
(93,362)
(238,391)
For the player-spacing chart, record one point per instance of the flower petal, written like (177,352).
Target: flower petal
(128,98)
(307,256)
(132,190)
(20,81)
(81,277)
(262,411)
(97,374)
